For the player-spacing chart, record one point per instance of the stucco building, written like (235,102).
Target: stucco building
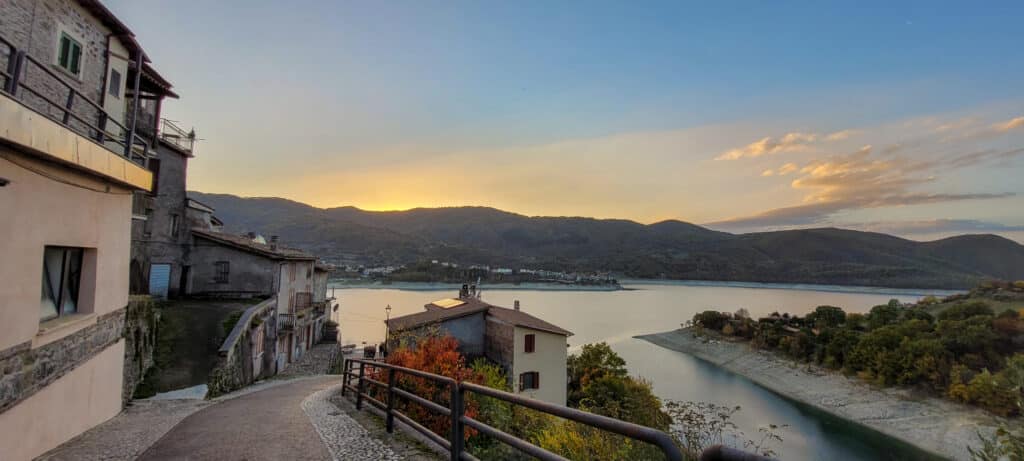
(70,160)
(533,352)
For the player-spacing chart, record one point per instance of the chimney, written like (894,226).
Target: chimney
(516,305)
(273,242)
(464,292)
(472,291)
(251,235)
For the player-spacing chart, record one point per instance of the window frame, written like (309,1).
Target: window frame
(534,378)
(529,343)
(114,85)
(72,275)
(175,224)
(222,272)
(68,60)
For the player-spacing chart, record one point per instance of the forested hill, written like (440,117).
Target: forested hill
(668,249)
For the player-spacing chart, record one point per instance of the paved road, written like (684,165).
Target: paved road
(265,425)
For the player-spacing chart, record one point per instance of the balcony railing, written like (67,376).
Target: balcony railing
(285,322)
(459,421)
(176,136)
(93,123)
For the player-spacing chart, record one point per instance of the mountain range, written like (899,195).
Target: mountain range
(668,249)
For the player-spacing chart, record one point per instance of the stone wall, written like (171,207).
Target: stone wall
(235,369)
(35,26)
(500,343)
(140,330)
(159,245)
(27,371)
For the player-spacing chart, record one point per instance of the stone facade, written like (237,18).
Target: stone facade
(140,329)
(35,26)
(160,225)
(499,345)
(27,371)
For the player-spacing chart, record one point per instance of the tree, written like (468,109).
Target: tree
(593,361)
(827,317)
(885,314)
(965,311)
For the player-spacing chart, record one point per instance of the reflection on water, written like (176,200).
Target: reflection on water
(615,317)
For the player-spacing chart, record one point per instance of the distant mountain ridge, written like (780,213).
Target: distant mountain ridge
(667,249)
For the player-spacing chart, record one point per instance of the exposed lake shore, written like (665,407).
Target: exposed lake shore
(931,424)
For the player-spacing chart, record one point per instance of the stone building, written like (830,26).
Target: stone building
(233,266)
(70,161)
(160,222)
(527,347)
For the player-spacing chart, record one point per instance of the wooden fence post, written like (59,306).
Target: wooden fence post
(391,401)
(361,387)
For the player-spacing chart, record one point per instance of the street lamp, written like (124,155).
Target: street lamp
(387,329)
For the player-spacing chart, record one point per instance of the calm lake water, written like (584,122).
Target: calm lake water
(616,316)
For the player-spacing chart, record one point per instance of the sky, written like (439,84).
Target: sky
(743,116)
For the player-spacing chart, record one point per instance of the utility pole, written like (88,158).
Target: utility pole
(387,329)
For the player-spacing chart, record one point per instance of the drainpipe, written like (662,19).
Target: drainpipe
(103,91)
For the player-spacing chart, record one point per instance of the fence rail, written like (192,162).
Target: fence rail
(95,125)
(459,421)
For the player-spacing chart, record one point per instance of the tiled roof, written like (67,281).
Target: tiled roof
(429,316)
(522,319)
(247,244)
(436,313)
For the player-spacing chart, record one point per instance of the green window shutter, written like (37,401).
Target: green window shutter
(64,51)
(76,57)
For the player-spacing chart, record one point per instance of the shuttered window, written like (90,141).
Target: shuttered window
(530,342)
(69,54)
(529,380)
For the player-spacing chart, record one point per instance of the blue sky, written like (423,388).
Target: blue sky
(609,109)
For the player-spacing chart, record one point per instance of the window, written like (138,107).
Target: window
(222,269)
(154,167)
(175,223)
(62,278)
(69,54)
(530,342)
(115,83)
(529,380)
(147,228)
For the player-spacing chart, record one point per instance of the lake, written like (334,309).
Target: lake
(648,307)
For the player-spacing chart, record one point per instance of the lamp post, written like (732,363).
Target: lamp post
(387,329)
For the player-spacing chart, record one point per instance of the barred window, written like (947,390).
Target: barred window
(222,270)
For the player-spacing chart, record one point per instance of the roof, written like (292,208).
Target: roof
(247,244)
(522,319)
(438,312)
(197,205)
(323,267)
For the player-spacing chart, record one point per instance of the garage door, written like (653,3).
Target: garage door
(159,279)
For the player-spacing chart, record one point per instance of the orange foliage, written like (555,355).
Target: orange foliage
(437,355)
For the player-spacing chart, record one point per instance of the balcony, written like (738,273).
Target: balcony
(37,87)
(177,137)
(285,322)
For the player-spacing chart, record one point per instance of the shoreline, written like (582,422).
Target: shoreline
(933,425)
(443,286)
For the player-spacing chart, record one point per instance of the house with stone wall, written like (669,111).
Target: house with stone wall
(532,352)
(72,80)
(225,265)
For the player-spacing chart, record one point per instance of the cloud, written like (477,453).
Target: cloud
(840,135)
(782,170)
(1014,123)
(790,142)
(858,180)
(935,226)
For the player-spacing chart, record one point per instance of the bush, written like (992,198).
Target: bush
(965,311)
(712,320)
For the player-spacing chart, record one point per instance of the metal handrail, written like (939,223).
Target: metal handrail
(17,65)
(455,410)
